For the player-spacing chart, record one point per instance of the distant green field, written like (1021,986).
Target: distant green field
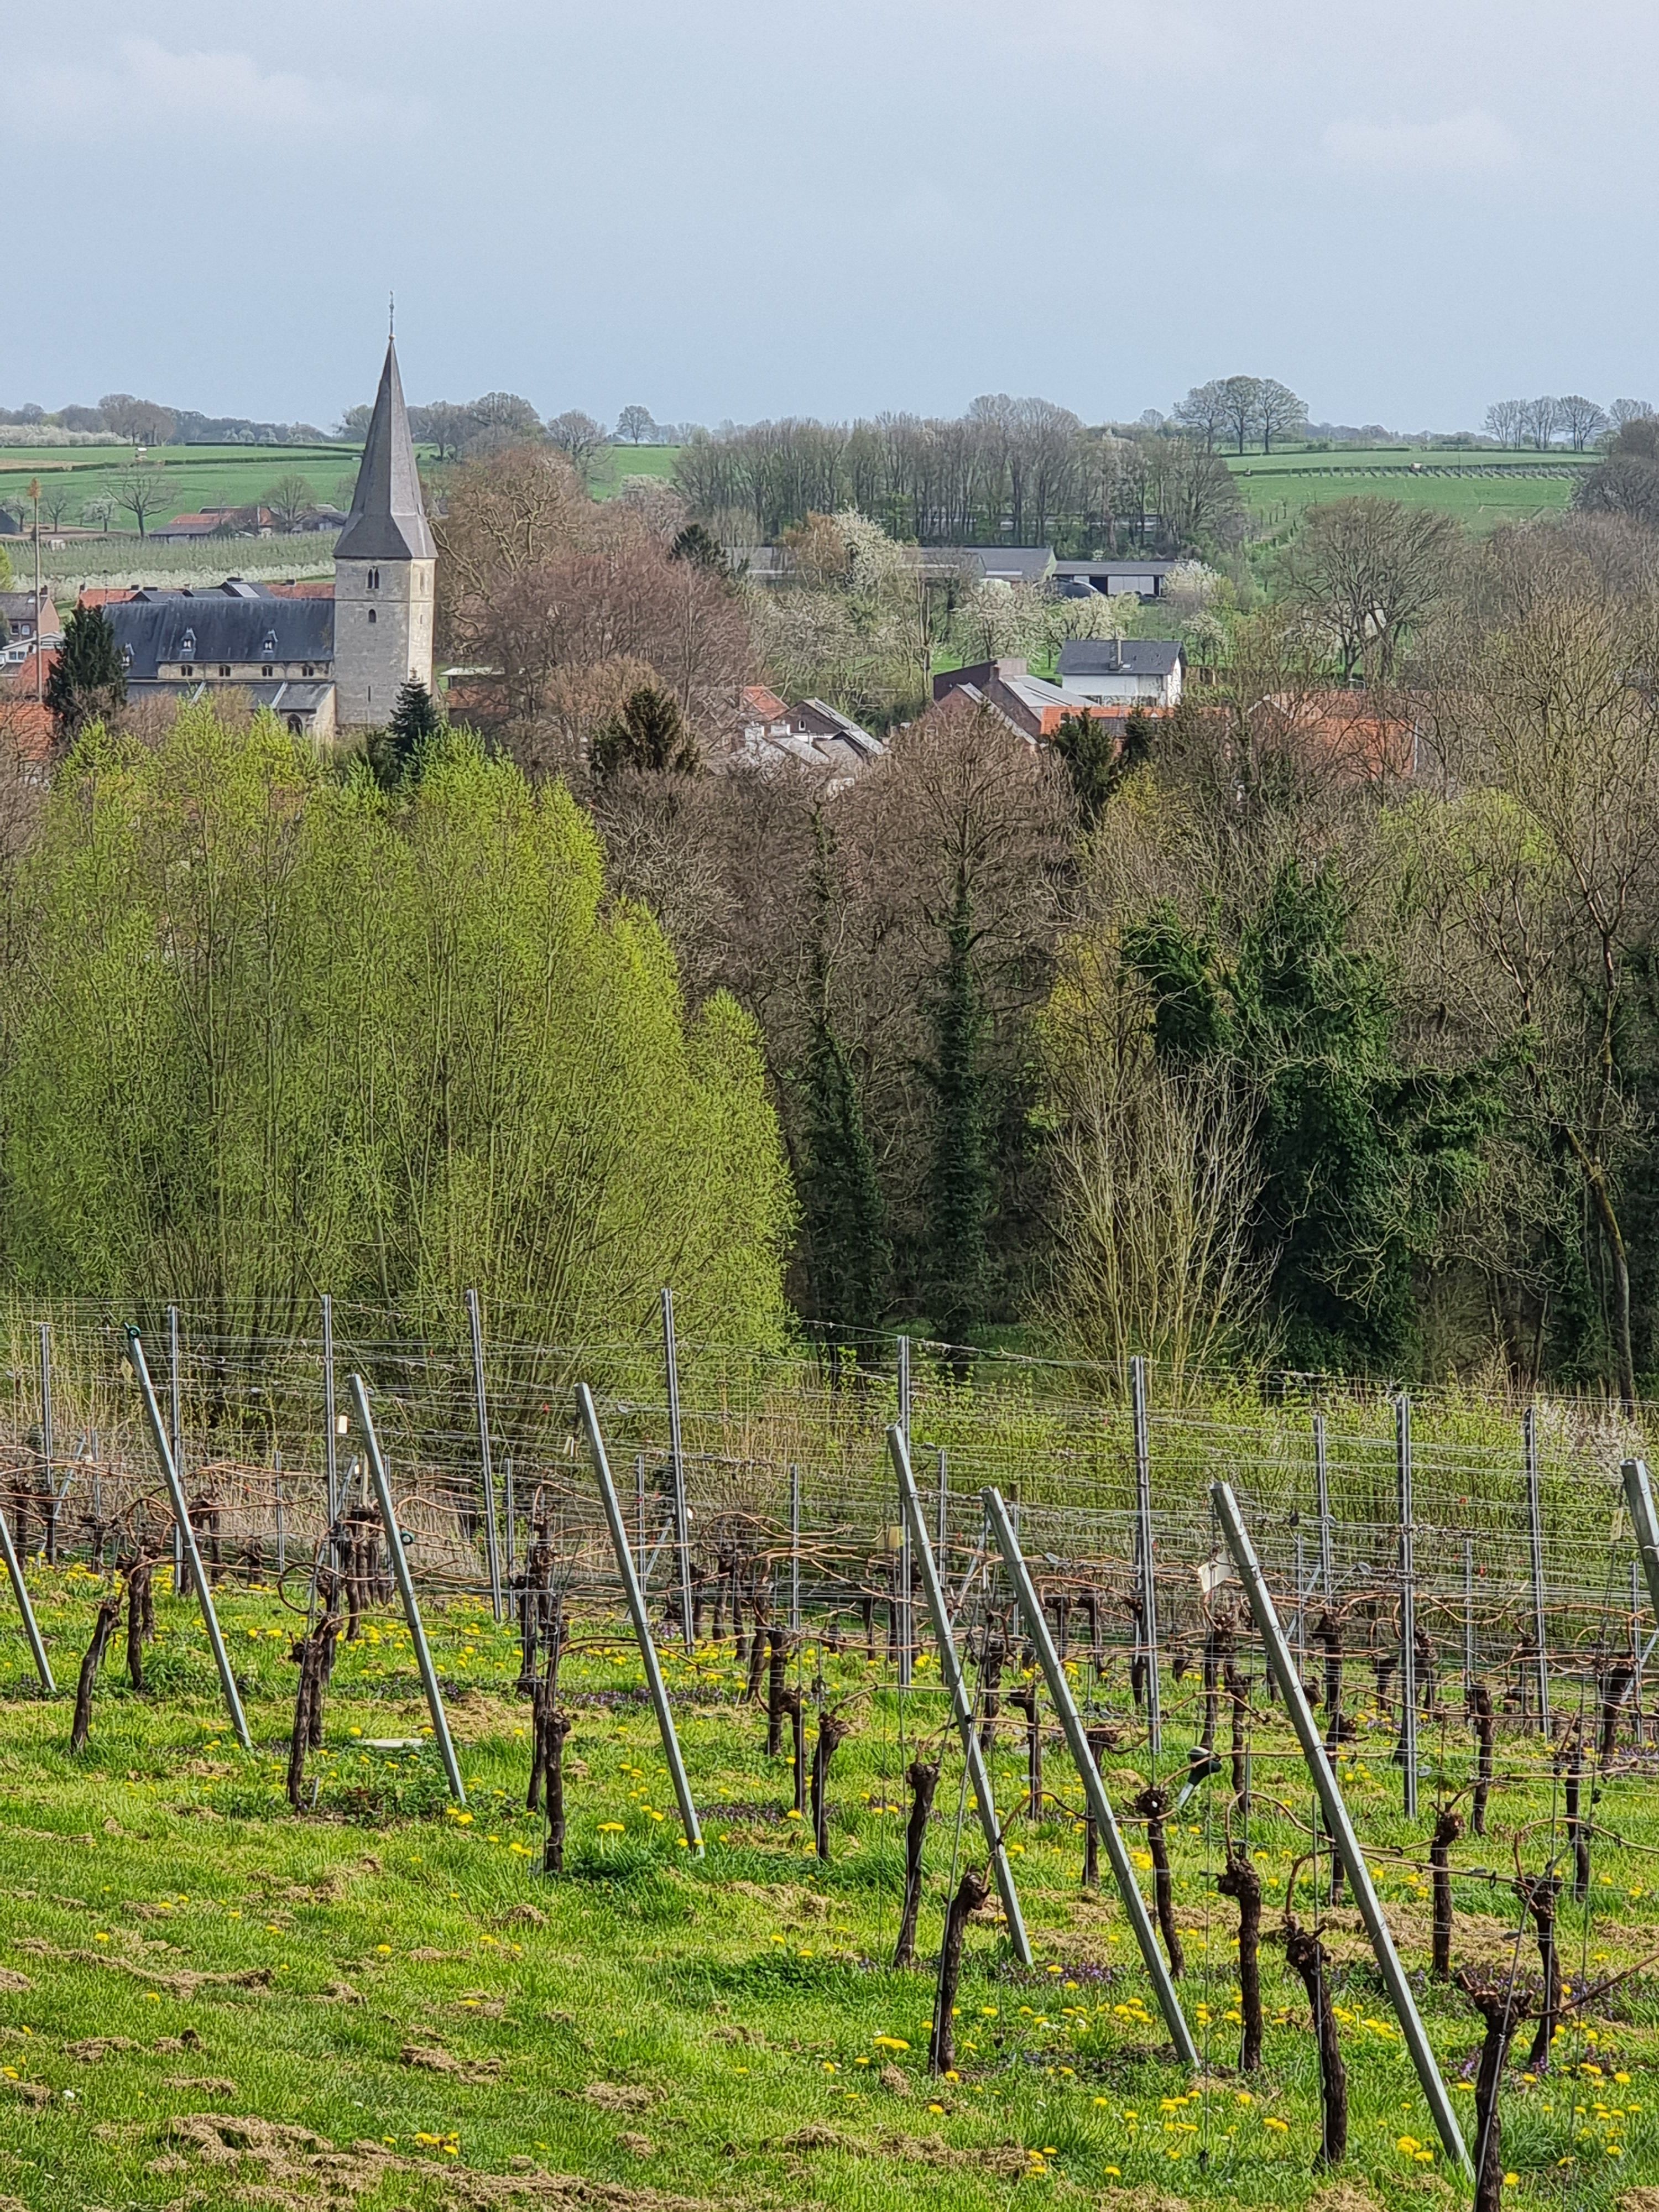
(195,477)
(1481,488)
(616,462)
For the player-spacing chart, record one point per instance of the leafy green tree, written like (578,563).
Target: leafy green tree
(1358,1155)
(87,680)
(649,737)
(283,1033)
(1097,760)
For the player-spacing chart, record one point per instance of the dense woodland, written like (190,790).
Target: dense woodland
(1314,1026)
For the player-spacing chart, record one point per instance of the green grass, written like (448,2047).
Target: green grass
(618,462)
(730,2031)
(195,477)
(1482,489)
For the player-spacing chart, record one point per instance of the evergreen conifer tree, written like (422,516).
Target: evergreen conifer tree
(650,735)
(87,680)
(394,753)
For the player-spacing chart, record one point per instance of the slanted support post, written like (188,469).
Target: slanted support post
(949,1667)
(1094,1789)
(635,1596)
(394,1544)
(19,1590)
(1247,1567)
(185,1536)
(1644,1522)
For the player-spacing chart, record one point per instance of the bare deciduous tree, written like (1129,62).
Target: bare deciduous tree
(138,493)
(1582,419)
(1155,1188)
(579,438)
(289,499)
(1506,421)
(1367,570)
(1546,856)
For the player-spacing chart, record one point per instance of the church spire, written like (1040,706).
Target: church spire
(387,521)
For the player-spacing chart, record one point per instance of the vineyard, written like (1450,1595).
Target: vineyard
(1275,1822)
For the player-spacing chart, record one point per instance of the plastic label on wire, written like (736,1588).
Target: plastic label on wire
(1213,1573)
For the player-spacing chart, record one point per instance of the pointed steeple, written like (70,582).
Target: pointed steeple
(387,521)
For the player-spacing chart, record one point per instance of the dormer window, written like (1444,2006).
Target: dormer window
(126,656)
(268,648)
(187,646)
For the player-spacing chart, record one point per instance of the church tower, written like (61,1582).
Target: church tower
(384,568)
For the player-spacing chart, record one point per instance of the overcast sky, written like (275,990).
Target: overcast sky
(739,208)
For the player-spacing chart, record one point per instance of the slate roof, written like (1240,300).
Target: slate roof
(231,631)
(1159,568)
(388,517)
(1119,656)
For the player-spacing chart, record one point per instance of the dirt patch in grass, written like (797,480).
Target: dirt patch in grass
(98,2046)
(185,1982)
(297,2168)
(619,2096)
(12,1984)
(430,2059)
(1344,2196)
(1007,2161)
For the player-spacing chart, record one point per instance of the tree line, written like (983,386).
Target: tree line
(1312,1025)
(1017,472)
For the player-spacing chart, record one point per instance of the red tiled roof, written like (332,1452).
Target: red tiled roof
(103,595)
(24,720)
(757,700)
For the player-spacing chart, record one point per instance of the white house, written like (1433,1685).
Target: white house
(1122,671)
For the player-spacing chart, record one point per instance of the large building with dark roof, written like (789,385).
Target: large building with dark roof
(319,664)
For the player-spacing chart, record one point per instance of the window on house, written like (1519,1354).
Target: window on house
(268,648)
(224,668)
(374,580)
(371,614)
(187,646)
(267,670)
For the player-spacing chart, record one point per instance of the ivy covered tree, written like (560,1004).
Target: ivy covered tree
(961,1181)
(1358,1155)
(843,1215)
(87,680)
(1098,760)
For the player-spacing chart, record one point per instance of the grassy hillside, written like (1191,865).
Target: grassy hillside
(1482,489)
(208,2000)
(195,477)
